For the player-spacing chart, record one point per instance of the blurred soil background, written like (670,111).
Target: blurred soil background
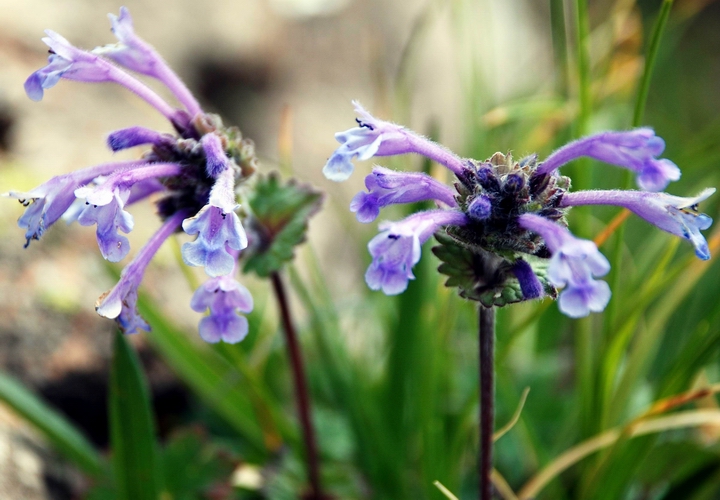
(272,67)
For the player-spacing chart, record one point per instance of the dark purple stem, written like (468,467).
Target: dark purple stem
(301,391)
(487,398)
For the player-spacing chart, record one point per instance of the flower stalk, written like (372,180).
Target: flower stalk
(486,317)
(301,390)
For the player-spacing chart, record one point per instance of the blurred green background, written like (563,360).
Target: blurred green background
(393,380)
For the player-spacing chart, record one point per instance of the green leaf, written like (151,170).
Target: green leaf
(66,438)
(132,430)
(467,269)
(280,215)
(193,465)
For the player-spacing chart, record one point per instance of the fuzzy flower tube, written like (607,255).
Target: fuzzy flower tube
(508,216)
(193,175)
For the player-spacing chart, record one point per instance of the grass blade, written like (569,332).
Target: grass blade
(132,429)
(690,418)
(61,434)
(212,378)
(650,59)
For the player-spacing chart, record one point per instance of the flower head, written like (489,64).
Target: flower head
(504,237)
(195,171)
(225,298)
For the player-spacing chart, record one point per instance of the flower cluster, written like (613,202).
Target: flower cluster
(193,174)
(505,235)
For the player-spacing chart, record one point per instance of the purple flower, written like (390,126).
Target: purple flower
(480,208)
(373,137)
(190,169)
(125,178)
(137,55)
(120,303)
(66,61)
(131,51)
(105,204)
(218,227)
(387,187)
(635,150)
(225,297)
(396,250)
(674,214)
(71,63)
(142,189)
(49,201)
(529,283)
(110,219)
(136,136)
(573,265)
(510,214)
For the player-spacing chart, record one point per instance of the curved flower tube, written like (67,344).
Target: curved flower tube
(635,150)
(388,187)
(49,201)
(120,303)
(674,214)
(373,137)
(66,61)
(136,54)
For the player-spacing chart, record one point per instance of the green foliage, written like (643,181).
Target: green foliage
(132,427)
(466,267)
(280,215)
(61,434)
(193,468)
(213,378)
(192,465)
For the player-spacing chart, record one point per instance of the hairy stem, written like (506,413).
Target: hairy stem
(301,391)
(487,397)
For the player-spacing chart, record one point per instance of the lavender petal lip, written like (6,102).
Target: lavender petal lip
(225,298)
(396,249)
(574,265)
